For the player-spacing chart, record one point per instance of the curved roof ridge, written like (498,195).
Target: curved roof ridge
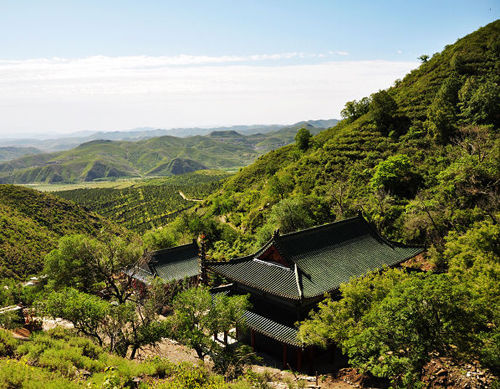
(173,249)
(322,226)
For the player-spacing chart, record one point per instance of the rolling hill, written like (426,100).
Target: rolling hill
(31,223)
(13,152)
(165,155)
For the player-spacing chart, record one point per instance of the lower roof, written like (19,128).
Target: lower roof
(271,328)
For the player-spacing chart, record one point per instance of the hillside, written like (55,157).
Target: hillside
(165,155)
(9,153)
(417,159)
(148,204)
(31,223)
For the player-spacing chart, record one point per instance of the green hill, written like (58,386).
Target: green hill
(419,159)
(165,155)
(150,203)
(12,152)
(31,223)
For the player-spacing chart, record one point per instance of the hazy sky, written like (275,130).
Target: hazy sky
(108,65)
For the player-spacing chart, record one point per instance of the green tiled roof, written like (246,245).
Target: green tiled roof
(140,273)
(321,259)
(175,263)
(271,328)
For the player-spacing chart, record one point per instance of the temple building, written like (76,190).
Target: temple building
(172,264)
(292,272)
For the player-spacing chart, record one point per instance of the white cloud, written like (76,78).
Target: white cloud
(400,51)
(123,92)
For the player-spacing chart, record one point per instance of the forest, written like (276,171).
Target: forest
(420,161)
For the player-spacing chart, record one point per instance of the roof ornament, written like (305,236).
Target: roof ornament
(297,280)
(276,233)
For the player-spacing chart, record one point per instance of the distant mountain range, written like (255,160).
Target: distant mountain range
(99,159)
(66,142)
(12,152)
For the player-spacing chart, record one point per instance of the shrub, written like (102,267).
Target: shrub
(7,344)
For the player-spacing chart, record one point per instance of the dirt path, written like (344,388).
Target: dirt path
(186,198)
(176,352)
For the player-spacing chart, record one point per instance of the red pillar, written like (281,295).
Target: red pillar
(284,356)
(252,339)
(311,359)
(299,359)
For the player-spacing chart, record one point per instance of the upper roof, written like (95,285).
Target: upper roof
(315,261)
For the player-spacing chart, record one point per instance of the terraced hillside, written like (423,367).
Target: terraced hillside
(149,204)
(418,158)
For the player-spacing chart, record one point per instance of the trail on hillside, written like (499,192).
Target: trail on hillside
(186,198)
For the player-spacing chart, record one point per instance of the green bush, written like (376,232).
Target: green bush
(7,343)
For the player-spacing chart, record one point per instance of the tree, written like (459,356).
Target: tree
(390,323)
(395,176)
(480,102)
(355,109)
(280,185)
(160,238)
(120,327)
(89,264)
(86,312)
(197,316)
(423,58)
(292,214)
(441,115)
(383,108)
(303,139)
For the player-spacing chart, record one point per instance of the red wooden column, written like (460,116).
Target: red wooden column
(311,359)
(284,355)
(299,359)
(252,339)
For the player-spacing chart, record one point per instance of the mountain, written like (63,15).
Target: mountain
(417,158)
(165,155)
(177,166)
(31,223)
(69,141)
(9,153)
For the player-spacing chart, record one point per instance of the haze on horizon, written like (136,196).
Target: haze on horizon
(85,65)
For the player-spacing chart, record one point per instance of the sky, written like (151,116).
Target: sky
(73,65)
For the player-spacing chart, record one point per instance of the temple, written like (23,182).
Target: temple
(292,272)
(171,264)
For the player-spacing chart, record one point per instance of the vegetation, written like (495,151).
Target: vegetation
(392,323)
(8,153)
(197,316)
(160,156)
(390,157)
(147,204)
(59,359)
(420,160)
(31,224)
(423,168)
